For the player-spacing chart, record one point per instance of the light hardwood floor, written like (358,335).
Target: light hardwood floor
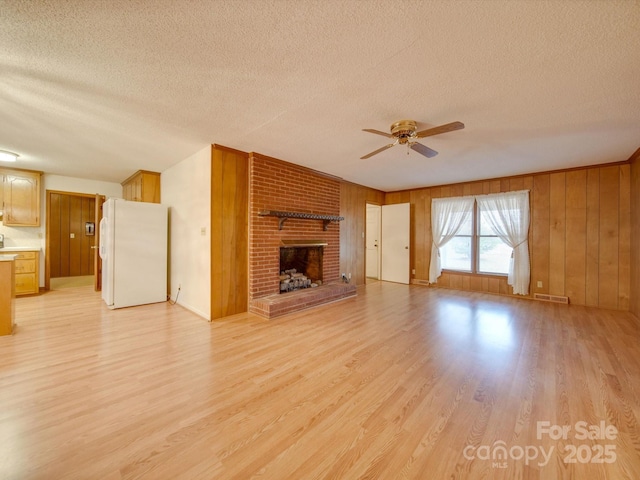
(399,382)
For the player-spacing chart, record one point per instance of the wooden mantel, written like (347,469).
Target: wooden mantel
(283,216)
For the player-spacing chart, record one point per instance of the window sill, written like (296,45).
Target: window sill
(472,274)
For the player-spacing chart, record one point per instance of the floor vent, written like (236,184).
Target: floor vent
(551,298)
(417,281)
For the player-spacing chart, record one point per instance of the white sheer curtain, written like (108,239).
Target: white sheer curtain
(447,217)
(508,215)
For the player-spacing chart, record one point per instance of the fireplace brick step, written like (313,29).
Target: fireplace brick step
(278,304)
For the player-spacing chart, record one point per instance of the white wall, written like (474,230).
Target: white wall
(186,189)
(34,237)
(81,185)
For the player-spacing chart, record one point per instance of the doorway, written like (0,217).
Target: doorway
(71,238)
(372,241)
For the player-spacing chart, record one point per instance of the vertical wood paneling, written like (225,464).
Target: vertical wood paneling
(230,205)
(516,184)
(592,275)
(576,236)
(216,234)
(360,239)
(557,233)
(75,227)
(353,200)
(608,241)
(416,223)
(86,253)
(229,232)
(634,209)
(348,248)
(65,232)
(68,214)
(624,239)
(428,237)
(476,188)
(54,235)
(539,247)
(397,197)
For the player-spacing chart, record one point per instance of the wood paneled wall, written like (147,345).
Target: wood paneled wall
(579,238)
(68,214)
(229,231)
(634,306)
(353,200)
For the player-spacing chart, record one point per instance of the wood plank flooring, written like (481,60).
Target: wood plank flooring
(400,382)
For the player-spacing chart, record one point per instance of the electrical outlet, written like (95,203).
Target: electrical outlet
(413,271)
(539,284)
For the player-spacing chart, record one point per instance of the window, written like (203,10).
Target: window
(483,252)
(456,254)
(482,234)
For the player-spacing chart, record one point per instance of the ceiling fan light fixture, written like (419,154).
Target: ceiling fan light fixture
(6,156)
(404,129)
(406,133)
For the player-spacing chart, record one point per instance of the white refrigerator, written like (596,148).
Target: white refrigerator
(133,248)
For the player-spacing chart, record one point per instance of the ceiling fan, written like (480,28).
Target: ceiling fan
(405,133)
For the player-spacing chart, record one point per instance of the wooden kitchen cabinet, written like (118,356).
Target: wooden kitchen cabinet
(27,272)
(142,186)
(7,294)
(21,197)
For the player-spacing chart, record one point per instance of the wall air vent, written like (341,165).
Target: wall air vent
(543,297)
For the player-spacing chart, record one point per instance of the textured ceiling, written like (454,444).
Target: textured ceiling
(100,89)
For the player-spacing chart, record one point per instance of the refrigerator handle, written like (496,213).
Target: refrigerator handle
(103,236)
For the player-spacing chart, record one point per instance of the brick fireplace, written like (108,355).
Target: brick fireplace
(277,186)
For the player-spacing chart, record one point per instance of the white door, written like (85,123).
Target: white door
(372,250)
(395,242)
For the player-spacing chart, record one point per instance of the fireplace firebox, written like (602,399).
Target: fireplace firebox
(300,265)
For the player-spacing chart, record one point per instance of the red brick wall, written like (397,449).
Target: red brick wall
(277,185)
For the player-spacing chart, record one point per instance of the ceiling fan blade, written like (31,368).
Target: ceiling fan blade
(377,132)
(375,152)
(423,150)
(449,127)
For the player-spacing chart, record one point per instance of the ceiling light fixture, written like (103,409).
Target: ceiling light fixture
(8,156)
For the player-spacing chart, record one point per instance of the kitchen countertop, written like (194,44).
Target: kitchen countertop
(19,249)
(7,258)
